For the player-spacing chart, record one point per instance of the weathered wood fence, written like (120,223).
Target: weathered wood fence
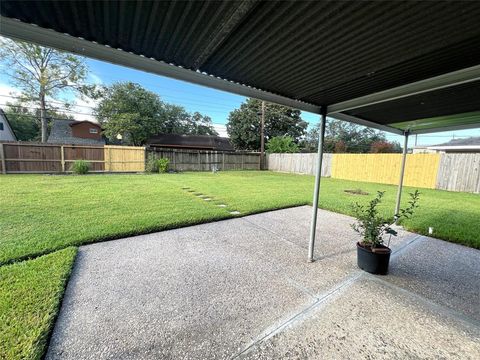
(299,163)
(204,160)
(24,158)
(454,172)
(459,172)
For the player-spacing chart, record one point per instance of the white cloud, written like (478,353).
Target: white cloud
(221,129)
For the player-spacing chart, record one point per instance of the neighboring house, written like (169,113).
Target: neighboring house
(191,142)
(6,132)
(75,132)
(471,144)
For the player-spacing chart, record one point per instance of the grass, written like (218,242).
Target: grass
(30,294)
(42,214)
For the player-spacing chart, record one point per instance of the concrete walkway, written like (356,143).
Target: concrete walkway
(242,288)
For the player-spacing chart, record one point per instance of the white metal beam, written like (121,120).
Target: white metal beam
(316,190)
(18,30)
(435,83)
(357,120)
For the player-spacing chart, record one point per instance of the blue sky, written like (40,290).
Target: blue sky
(214,103)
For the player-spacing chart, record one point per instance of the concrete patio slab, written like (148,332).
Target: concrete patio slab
(242,288)
(371,320)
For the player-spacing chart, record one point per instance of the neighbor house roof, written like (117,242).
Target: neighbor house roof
(205,142)
(61,133)
(394,65)
(467,144)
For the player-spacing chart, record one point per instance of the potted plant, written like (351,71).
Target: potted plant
(372,255)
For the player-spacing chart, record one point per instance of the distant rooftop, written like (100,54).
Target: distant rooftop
(199,142)
(471,141)
(61,133)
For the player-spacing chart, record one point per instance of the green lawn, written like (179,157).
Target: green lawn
(30,294)
(41,214)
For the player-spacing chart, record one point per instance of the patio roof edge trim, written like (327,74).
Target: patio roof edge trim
(18,30)
(435,83)
(360,121)
(446,128)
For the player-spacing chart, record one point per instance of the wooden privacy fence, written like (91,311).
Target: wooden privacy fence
(455,172)
(420,169)
(459,172)
(21,158)
(299,163)
(124,158)
(204,160)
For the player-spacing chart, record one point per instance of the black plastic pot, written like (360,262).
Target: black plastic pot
(374,262)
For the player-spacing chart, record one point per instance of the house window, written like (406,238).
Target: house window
(1,126)
(93,131)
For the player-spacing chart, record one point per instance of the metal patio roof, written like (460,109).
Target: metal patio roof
(396,66)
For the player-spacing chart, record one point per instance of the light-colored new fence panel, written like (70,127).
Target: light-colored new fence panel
(459,172)
(124,158)
(420,169)
(299,163)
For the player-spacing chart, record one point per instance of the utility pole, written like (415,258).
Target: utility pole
(262,138)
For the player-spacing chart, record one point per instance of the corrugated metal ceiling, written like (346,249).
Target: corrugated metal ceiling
(320,52)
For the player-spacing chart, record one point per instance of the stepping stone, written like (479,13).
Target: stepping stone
(235,212)
(222,205)
(207,199)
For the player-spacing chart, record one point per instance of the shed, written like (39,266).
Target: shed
(191,142)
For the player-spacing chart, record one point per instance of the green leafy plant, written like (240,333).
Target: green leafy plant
(163,165)
(372,226)
(151,165)
(282,144)
(80,167)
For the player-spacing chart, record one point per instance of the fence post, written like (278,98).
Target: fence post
(2,157)
(174,159)
(242,163)
(62,157)
(223,161)
(110,159)
(199,162)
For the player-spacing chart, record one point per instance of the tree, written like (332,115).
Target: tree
(243,124)
(342,136)
(385,147)
(25,122)
(43,74)
(282,144)
(135,113)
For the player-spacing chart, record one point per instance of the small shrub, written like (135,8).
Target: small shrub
(282,144)
(372,226)
(80,167)
(151,166)
(163,165)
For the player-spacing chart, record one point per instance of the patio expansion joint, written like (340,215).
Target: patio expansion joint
(321,299)
(432,305)
(273,232)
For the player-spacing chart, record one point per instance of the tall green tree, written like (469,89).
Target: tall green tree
(135,113)
(343,136)
(243,124)
(26,122)
(43,74)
